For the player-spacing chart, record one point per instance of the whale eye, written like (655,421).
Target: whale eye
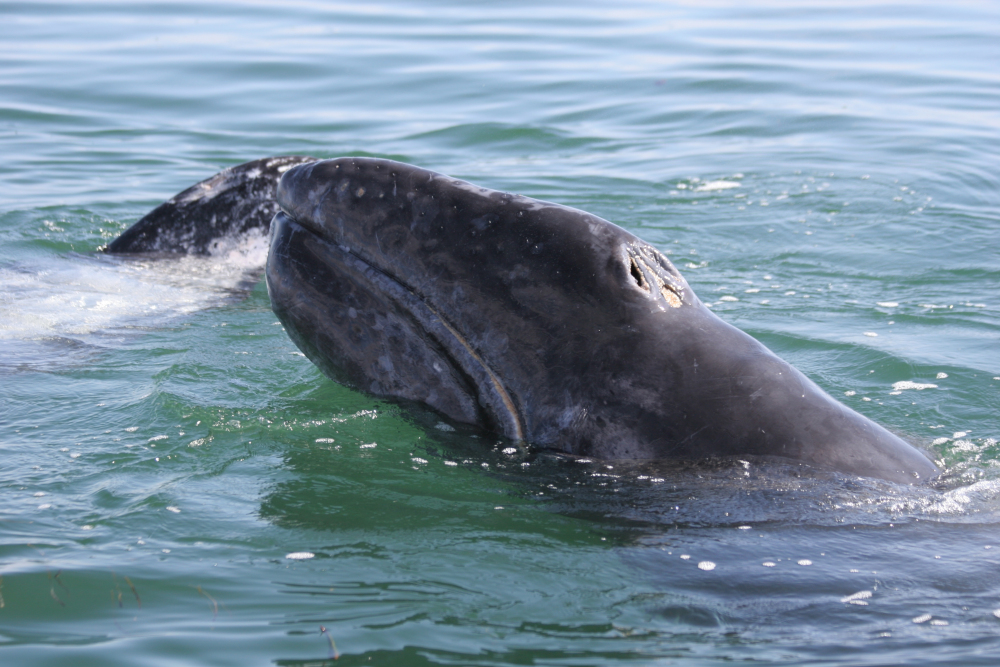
(640,279)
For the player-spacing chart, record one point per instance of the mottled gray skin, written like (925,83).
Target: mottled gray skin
(233,202)
(541,322)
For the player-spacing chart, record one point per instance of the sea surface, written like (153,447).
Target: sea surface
(180,486)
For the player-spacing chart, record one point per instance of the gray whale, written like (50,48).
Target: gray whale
(538,321)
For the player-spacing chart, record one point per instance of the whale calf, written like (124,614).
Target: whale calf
(540,322)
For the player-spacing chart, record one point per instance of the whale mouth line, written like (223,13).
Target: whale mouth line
(435,326)
(508,402)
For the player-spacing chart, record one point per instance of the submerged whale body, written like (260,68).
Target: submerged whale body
(541,322)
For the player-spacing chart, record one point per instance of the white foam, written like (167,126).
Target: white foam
(857,597)
(903,385)
(73,296)
(712,186)
(958,501)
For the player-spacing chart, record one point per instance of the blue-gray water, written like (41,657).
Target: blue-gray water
(825,174)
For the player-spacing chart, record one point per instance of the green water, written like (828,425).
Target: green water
(826,176)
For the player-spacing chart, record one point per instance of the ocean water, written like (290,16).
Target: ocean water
(179,485)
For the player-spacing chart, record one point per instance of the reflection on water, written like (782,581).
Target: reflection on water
(745,559)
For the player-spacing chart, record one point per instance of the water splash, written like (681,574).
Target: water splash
(72,298)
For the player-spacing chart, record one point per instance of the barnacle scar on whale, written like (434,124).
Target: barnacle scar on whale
(538,321)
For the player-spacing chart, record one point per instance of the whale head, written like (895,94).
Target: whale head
(540,322)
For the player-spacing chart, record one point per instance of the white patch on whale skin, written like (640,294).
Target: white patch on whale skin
(283,164)
(207,190)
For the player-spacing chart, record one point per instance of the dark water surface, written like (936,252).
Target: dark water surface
(825,175)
